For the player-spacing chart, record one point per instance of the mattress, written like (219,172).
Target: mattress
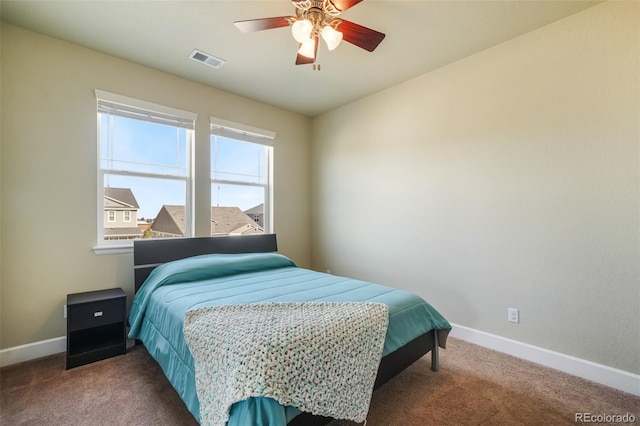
(159,307)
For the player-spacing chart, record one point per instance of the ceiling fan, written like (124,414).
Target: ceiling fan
(315,19)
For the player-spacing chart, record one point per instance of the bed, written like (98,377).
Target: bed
(157,314)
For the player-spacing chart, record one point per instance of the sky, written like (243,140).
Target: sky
(161,151)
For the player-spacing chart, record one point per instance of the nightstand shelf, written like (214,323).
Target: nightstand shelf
(95,326)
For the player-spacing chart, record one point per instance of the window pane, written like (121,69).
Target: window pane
(133,145)
(239,161)
(144,199)
(144,170)
(237,209)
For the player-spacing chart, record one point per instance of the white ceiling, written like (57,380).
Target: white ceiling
(420,36)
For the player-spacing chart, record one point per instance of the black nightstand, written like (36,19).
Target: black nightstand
(95,326)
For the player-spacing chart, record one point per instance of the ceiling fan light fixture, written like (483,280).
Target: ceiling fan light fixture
(301,30)
(308,48)
(314,19)
(331,36)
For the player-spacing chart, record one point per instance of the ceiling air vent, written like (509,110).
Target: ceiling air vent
(206,59)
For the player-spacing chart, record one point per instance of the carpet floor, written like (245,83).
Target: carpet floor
(475,386)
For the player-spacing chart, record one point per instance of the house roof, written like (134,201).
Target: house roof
(122,195)
(228,220)
(122,232)
(259,209)
(170,219)
(224,220)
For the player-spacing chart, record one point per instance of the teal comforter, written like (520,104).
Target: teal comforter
(158,311)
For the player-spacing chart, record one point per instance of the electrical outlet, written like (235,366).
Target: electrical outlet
(512,315)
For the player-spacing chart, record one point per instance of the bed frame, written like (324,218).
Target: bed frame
(147,254)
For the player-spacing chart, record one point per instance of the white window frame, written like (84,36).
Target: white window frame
(246,133)
(126,216)
(155,113)
(111,216)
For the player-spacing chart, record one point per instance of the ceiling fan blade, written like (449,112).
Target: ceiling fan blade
(302,60)
(252,25)
(360,36)
(343,5)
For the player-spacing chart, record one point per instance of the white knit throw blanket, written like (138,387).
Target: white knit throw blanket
(321,358)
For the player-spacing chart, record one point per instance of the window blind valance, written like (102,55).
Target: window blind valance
(231,130)
(122,106)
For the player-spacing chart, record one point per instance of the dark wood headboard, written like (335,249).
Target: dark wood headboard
(149,253)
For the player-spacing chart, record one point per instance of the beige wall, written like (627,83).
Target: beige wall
(49,177)
(508,179)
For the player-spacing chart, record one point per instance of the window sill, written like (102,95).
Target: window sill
(113,249)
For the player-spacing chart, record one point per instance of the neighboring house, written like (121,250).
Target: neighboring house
(257,214)
(120,214)
(232,221)
(224,221)
(169,222)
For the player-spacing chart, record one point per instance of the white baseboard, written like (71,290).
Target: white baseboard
(608,376)
(31,351)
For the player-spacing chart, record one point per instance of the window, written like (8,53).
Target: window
(144,169)
(241,178)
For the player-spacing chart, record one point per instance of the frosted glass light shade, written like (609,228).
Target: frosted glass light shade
(308,48)
(331,37)
(301,30)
